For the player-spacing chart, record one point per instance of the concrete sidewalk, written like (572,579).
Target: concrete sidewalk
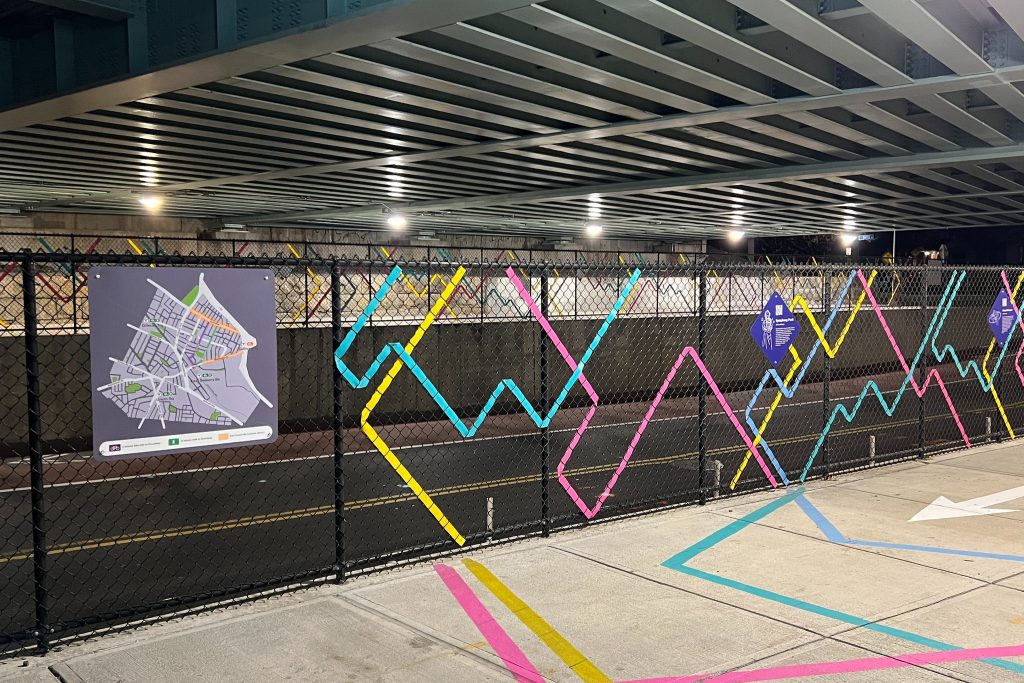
(829,582)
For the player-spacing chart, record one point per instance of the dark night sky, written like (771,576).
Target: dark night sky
(966,245)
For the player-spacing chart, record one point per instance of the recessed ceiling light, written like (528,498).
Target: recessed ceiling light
(151,202)
(397,221)
(593,229)
(736,235)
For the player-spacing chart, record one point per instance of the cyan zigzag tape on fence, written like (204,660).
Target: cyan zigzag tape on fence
(965,368)
(947,300)
(469,431)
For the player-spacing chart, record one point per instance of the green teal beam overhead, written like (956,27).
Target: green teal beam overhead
(89,8)
(216,39)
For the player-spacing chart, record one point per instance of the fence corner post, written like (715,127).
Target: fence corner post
(702,387)
(545,437)
(35,445)
(338,427)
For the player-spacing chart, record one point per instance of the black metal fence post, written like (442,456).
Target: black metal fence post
(339,427)
(545,438)
(35,445)
(826,380)
(702,389)
(922,366)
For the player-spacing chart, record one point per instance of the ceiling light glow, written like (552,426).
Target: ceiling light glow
(151,202)
(593,229)
(397,221)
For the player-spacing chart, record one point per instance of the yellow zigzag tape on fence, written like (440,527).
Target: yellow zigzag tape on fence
(316,280)
(899,282)
(378,394)
(137,249)
(797,361)
(551,294)
(782,285)
(426,288)
(984,369)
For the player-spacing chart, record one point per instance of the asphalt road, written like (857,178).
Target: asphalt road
(140,539)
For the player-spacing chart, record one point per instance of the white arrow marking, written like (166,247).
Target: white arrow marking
(944,508)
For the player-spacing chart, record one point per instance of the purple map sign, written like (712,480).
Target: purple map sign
(775,329)
(1002,318)
(183,359)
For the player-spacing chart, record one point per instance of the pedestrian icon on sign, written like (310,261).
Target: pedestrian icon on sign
(767,330)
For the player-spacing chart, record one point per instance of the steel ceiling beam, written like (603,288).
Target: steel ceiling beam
(397,18)
(810,30)
(809,171)
(1012,12)
(856,100)
(916,23)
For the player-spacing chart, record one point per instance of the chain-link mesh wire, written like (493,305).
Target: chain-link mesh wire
(430,398)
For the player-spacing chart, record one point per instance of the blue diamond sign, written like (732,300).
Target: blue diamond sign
(775,329)
(1002,318)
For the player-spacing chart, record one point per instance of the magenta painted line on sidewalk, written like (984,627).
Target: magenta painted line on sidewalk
(514,659)
(590,512)
(845,667)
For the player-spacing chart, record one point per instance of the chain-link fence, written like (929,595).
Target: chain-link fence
(428,404)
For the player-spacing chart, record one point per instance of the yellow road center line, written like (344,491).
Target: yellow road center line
(573,658)
(304,513)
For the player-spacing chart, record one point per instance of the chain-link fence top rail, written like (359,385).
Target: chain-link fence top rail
(310,290)
(425,404)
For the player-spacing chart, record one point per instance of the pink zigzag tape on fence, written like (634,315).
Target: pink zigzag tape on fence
(587,511)
(933,373)
(517,663)
(846,666)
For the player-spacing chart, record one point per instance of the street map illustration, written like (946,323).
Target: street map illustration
(184,361)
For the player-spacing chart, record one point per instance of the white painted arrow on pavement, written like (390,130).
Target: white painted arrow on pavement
(944,508)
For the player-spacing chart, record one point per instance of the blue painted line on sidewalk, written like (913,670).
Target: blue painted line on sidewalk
(833,534)
(678,563)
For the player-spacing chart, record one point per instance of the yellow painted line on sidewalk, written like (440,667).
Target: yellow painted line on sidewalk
(380,444)
(573,658)
(305,513)
(830,351)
